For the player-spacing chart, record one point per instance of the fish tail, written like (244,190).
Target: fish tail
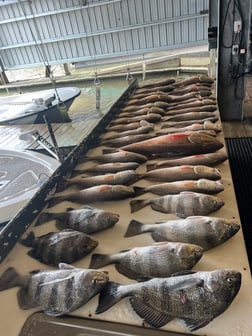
(99,260)
(151,166)
(43,218)
(136,205)
(134,228)
(10,278)
(29,240)
(138,191)
(108,297)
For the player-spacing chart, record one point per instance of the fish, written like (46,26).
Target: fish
(150,117)
(126,140)
(205,108)
(66,246)
(56,292)
(155,260)
(189,88)
(142,111)
(118,156)
(128,126)
(87,219)
(201,131)
(101,193)
(195,103)
(189,116)
(204,186)
(184,143)
(113,167)
(125,177)
(139,130)
(208,232)
(184,204)
(193,80)
(196,298)
(207,159)
(207,125)
(132,108)
(166,88)
(167,81)
(185,123)
(184,172)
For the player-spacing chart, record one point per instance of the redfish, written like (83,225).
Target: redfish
(184,204)
(125,177)
(118,156)
(189,116)
(202,186)
(208,159)
(185,143)
(104,192)
(184,172)
(104,168)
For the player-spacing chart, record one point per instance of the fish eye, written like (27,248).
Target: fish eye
(230,280)
(94,281)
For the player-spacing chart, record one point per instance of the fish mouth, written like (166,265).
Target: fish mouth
(100,277)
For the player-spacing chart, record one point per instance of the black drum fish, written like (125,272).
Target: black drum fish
(66,246)
(195,298)
(56,292)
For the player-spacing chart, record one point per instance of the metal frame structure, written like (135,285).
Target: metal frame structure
(39,32)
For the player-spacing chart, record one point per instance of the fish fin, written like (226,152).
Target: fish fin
(65,266)
(99,260)
(153,317)
(10,278)
(185,272)
(42,218)
(136,205)
(195,324)
(158,238)
(58,281)
(188,283)
(60,225)
(70,209)
(130,273)
(108,297)
(25,301)
(134,228)
(138,191)
(29,240)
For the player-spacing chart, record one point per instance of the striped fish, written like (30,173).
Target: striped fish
(56,292)
(182,205)
(66,246)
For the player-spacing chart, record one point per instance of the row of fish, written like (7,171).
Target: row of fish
(181,163)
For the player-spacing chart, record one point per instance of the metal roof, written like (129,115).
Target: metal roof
(64,31)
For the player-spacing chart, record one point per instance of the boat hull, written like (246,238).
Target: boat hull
(22,173)
(19,111)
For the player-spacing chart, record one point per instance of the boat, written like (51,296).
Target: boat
(31,108)
(22,173)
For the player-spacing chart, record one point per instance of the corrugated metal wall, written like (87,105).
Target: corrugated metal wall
(62,31)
